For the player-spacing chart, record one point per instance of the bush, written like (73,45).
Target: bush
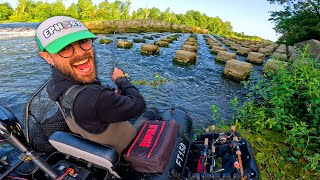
(288,102)
(281,120)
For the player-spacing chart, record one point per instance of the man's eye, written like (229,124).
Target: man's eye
(83,41)
(66,48)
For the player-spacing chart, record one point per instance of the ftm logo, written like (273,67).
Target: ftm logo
(60,26)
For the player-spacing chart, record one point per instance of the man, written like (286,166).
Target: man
(98,113)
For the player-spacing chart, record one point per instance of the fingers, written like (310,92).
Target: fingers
(117,70)
(117,73)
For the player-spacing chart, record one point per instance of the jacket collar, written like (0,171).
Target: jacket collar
(60,83)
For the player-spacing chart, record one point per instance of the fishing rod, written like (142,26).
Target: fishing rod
(238,152)
(206,142)
(213,150)
(8,135)
(113,49)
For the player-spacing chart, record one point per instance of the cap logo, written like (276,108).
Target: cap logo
(60,26)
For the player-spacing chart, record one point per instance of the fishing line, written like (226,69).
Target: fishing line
(113,48)
(113,57)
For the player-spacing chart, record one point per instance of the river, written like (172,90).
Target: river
(191,88)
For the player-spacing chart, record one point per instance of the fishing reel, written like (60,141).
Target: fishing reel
(222,139)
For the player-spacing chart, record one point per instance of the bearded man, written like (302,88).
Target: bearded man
(97,112)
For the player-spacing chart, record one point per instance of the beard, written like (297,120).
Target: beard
(70,70)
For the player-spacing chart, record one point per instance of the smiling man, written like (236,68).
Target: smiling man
(93,111)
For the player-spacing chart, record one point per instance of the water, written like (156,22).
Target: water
(192,88)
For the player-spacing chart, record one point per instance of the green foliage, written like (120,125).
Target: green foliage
(242,36)
(58,8)
(140,14)
(110,11)
(5,11)
(23,12)
(215,111)
(154,13)
(281,119)
(40,12)
(158,80)
(288,103)
(86,10)
(73,11)
(298,21)
(124,9)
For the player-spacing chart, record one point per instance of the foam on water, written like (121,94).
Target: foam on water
(14,34)
(15,30)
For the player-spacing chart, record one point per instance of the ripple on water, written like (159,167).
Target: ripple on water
(193,88)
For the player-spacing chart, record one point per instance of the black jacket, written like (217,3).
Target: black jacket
(97,106)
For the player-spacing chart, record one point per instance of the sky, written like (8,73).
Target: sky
(248,16)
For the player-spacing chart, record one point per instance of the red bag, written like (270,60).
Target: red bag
(151,149)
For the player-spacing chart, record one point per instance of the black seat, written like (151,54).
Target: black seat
(93,152)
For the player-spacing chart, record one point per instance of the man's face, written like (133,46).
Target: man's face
(75,60)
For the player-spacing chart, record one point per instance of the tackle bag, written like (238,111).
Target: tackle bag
(151,149)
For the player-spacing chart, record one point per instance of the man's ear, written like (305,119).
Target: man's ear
(47,57)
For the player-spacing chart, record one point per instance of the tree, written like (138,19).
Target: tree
(124,9)
(41,11)
(5,11)
(298,21)
(181,18)
(23,12)
(195,19)
(214,25)
(103,12)
(189,19)
(166,16)
(108,11)
(58,8)
(226,28)
(86,9)
(154,13)
(139,14)
(73,11)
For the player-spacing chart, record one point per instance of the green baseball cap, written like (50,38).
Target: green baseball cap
(57,32)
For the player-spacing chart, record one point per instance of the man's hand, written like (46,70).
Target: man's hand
(117,73)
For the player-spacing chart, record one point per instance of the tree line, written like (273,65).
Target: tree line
(298,21)
(86,10)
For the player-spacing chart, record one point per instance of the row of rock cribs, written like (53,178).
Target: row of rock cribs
(188,52)
(146,49)
(255,53)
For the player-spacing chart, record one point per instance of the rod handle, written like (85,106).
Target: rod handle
(235,138)
(213,127)
(206,141)
(213,149)
(233,128)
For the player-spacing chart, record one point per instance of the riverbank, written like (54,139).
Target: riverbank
(280,119)
(125,26)
(139,26)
